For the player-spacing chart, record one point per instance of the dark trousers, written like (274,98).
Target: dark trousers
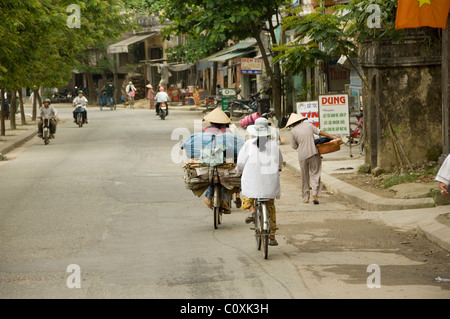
(157,108)
(52,126)
(84,113)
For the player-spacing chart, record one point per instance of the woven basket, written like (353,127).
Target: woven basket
(330,147)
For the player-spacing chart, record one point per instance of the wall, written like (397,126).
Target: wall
(406,80)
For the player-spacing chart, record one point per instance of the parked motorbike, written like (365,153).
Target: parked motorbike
(79,117)
(212,102)
(240,107)
(163,110)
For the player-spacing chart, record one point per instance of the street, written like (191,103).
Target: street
(109,199)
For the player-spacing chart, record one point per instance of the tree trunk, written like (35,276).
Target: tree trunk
(214,79)
(22,109)
(274,75)
(2,114)
(91,88)
(37,100)
(12,111)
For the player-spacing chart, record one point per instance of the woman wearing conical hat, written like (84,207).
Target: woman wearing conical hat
(302,139)
(151,96)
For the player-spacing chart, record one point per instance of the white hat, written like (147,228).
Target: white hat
(261,128)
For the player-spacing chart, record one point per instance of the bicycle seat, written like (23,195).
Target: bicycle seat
(263,200)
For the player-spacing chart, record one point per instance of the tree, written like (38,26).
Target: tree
(218,21)
(339,29)
(40,47)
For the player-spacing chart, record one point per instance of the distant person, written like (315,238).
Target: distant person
(130,89)
(109,89)
(161,97)
(80,100)
(302,139)
(151,96)
(47,111)
(443,176)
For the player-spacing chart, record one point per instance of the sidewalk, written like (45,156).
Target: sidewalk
(17,137)
(431,221)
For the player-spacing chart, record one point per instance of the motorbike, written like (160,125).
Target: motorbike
(79,117)
(212,102)
(240,107)
(163,110)
(46,131)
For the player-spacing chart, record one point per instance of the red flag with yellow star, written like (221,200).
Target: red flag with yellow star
(422,13)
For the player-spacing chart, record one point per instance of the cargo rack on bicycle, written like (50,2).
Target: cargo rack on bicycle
(197,177)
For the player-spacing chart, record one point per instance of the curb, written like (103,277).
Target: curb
(18,143)
(366,200)
(435,232)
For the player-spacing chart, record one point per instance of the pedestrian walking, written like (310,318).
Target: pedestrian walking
(302,139)
(151,96)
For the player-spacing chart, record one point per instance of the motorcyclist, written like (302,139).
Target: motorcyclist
(47,112)
(161,97)
(80,100)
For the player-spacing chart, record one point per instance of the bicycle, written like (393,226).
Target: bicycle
(217,200)
(356,136)
(262,226)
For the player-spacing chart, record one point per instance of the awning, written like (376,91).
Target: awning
(122,46)
(241,47)
(228,56)
(180,67)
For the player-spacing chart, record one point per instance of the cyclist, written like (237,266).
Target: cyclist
(131,92)
(260,161)
(219,123)
(109,88)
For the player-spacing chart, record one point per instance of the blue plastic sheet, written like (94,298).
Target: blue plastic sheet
(232,143)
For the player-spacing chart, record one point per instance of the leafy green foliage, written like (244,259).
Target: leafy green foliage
(336,30)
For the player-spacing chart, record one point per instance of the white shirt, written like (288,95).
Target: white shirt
(161,97)
(83,101)
(443,175)
(47,112)
(130,87)
(260,169)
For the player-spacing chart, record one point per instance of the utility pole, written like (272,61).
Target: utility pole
(445,89)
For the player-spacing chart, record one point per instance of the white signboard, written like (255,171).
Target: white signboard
(309,109)
(334,114)
(251,66)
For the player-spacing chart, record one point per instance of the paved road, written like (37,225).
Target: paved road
(109,198)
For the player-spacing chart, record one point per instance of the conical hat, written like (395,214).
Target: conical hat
(217,116)
(149,86)
(294,118)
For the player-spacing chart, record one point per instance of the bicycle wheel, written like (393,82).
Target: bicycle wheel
(46,137)
(217,217)
(258,228)
(264,233)
(217,208)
